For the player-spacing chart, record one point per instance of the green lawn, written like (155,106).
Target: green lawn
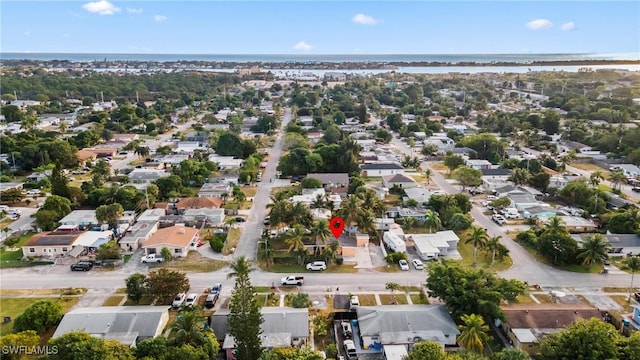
(387,299)
(143,301)
(13,258)
(114,300)
(417,299)
(232,240)
(15,306)
(285,269)
(194,262)
(483,258)
(579,268)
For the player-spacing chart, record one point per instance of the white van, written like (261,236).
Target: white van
(511,213)
(350,349)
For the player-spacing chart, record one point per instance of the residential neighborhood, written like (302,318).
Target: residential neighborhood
(349,216)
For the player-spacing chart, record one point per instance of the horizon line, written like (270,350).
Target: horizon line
(307,54)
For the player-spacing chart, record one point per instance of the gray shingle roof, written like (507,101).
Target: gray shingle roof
(382,166)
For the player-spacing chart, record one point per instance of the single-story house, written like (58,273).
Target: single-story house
(431,246)
(397,212)
(226,162)
(523,201)
(478,164)
(188,147)
(405,325)
(37,176)
(170,160)
(152,214)
(137,235)
(621,244)
(616,202)
(309,196)
(282,327)
(81,218)
(527,324)
(494,184)
(419,194)
(212,190)
(10,185)
(179,239)
(126,138)
(212,217)
(399,180)
(383,223)
(125,324)
(578,224)
(49,244)
(331,180)
(558,181)
(146,176)
(539,212)
(381,169)
(199,203)
(500,174)
(85,156)
(349,244)
(90,241)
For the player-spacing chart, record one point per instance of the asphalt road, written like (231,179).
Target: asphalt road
(525,267)
(252,228)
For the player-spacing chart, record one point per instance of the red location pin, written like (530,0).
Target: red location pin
(337,225)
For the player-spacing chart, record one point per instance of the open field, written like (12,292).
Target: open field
(483,258)
(194,262)
(14,306)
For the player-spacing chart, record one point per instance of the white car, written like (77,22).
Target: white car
(178,300)
(417,264)
(33,192)
(404,265)
(317,266)
(192,300)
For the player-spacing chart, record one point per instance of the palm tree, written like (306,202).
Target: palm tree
(294,241)
(427,176)
(519,176)
(595,248)
(318,202)
(617,178)
(239,267)
(350,209)
(632,263)
(478,238)
(366,222)
(493,245)
(595,178)
(633,218)
(188,330)
(320,232)
(393,287)
(555,226)
(473,333)
(142,151)
(432,221)
(409,222)
(371,201)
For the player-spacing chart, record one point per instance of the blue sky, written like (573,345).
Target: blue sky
(320,27)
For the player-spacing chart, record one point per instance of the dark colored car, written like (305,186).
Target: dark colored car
(636,189)
(81,266)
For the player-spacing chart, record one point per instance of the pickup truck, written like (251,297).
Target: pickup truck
(152,258)
(292,280)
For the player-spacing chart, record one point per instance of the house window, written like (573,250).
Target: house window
(32,250)
(64,249)
(178,251)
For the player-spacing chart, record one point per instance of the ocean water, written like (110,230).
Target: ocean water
(308,58)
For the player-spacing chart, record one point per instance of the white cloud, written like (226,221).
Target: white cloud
(539,24)
(364,19)
(160,18)
(302,46)
(102,7)
(568,26)
(134,11)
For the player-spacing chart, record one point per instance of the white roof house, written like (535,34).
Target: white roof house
(80,218)
(225,162)
(430,246)
(309,196)
(93,239)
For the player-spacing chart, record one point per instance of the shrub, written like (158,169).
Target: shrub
(39,316)
(331,350)
(11,241)
(394,257)
(339,260)
(300,300)
(217,242)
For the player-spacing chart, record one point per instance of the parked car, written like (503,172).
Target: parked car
(240,219)
(33,192)
(636,189)
(404,265)
(417,264)
(82,266)
(192,300)
(499,219)
(178,300)
(267,221)
(317,266)
(354,301)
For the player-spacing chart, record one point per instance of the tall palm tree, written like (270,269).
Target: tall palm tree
(432,221)
(393,287)
(519,176)
(188,330)
(320,232)
(632,263)
(595,248)
(595,178)
(239,267)
(427,176)
(617,178)
(555,226)
(294,239)
(473,333)
(633,218)
(409,222)
(318,202)
(478,239)
(493,245)
(371,201)
(366,222)
(350,210)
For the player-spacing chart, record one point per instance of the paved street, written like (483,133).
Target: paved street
(252,229)
(525,267)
